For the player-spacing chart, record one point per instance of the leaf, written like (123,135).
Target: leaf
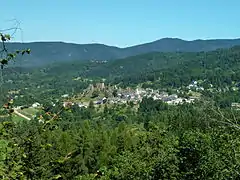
(7,37)
(57,176)
(11,55)
(3,38)
(4,61)
(48,145)
(24,155)
(28,51)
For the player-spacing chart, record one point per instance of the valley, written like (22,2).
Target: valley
(120,82)
(119,90)
(107,116)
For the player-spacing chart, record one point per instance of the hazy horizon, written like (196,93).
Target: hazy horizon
(119,46)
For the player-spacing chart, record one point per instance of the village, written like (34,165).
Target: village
(101,94)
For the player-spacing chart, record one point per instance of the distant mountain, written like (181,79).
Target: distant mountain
(43,53)
(179,45)
(49,52)
(140,67)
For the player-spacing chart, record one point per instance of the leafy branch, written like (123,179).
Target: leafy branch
(6,56)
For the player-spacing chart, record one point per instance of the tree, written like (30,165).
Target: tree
(95,94)
(114,93)
(5,55)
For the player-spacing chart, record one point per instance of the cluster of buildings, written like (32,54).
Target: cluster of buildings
(137,95)
(195,86)
(123,96)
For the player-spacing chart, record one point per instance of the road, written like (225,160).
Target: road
(21,115)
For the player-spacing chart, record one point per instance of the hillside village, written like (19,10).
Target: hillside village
(100,93)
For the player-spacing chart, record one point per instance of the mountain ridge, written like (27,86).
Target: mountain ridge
(108,45)
(44,53)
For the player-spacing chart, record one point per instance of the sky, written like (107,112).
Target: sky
(121,23)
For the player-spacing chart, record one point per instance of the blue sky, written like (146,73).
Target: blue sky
(121,22)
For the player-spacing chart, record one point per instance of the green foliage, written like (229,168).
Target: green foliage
(7,57)
(179,142)
(153,141)
(95,94)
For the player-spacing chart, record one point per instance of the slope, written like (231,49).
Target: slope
(220,68)
(173,69)
(50,52)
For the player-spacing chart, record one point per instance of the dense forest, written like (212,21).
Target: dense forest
(219,67)
(46,53)
(156,141)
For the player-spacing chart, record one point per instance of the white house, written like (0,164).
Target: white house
(65,95)
(36,104)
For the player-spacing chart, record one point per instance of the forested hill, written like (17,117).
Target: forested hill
(220,67)
(43,53)
(173,69)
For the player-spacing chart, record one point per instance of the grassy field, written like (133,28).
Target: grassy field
(29,112)
(16,118)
